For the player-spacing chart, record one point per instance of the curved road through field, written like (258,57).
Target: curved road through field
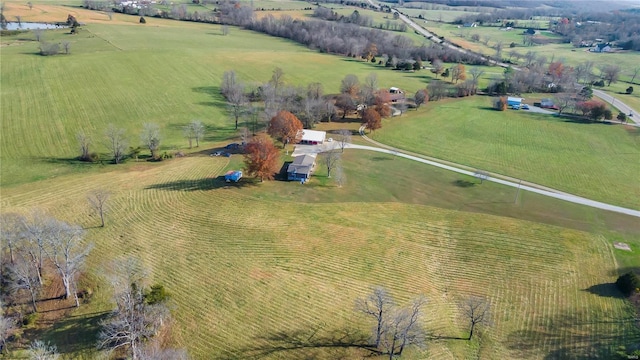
(497,178)
(601,94)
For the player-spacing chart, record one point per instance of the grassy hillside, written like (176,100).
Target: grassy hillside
(251,272)
(593,160)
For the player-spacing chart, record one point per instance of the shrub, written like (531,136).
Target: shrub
(608,115)
(30,319)
(598,83)
(630,90)
(622,117)
(628,283)
(156,295)
(47,49)
(500,104)
(142,20)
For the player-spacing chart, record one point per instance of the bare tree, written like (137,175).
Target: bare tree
(133,322)
(30,5)
(98,202)
(339,175)
(350,85)
(67,253)
(420,97)
(35,236)
(67,47)
(38,34)
(19,20)
(402,329)
(116,142)
(237,102)
(39,350)
(610,73)
(150,137)
(344,138)
(277,79)
(229,82)
(315,91)
(225,29)
(476,310)
(7,325)
(368,90)
(11,232)
(25,277)
(154,351)
(330,159)
(245,135)
(84,142)
(475,72)
(194,131)
(564,101)
(376,305)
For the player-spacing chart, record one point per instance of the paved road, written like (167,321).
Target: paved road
(618,103)
(504,180)
(601,94)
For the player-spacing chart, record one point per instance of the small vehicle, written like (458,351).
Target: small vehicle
(515,107)
(226,154)
(217,153)
(525,107)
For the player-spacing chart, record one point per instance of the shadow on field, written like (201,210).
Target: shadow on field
(306,344)
(566,336)
(202,184)
(464,183)
(214,92)
(75,333)
(605,290)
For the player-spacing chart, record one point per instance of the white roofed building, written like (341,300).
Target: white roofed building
(312,137)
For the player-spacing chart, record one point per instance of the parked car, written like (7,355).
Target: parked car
(515,107)
(226,154)
(525,107)
(217,153)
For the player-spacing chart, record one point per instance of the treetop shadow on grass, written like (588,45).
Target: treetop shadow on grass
(202,184)
(572,338)
(605,290)
(74,333)
(463,183)
(303,344)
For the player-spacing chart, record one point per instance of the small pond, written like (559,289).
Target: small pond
(32,26)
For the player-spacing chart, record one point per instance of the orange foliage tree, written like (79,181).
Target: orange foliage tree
(261,158)
(285,127)
(371,119)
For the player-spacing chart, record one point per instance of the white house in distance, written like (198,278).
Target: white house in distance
(312,137)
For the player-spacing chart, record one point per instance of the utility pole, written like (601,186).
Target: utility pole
(515,201)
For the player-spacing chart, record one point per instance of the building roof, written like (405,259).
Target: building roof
(515,99)
(313,135)
(301,164)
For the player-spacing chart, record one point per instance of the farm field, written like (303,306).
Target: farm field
(243,283)
(256,270)
(165,72)
(540,148)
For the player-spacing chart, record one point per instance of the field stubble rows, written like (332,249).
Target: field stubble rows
(241,269)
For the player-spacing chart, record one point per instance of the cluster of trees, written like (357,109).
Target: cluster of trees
(117,142)
(438,89)
(140,320)
(37,250)
(395,328)
(356,18)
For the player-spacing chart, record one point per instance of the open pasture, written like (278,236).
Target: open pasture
(596,161)
(252,274)
(164,71)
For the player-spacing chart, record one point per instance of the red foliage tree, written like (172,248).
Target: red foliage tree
(593,108)
(285,127)
(261,157)
(381,103)
(372,119)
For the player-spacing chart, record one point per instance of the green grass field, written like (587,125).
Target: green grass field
(592,160)
(159,72)
(257,268)
(247,278)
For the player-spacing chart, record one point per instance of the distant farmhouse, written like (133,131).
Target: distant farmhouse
(396,94)
(601,48)
(514,101)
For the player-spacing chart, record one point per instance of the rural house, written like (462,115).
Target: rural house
(601,48)
(312,137)
(301,168)
(395,94)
